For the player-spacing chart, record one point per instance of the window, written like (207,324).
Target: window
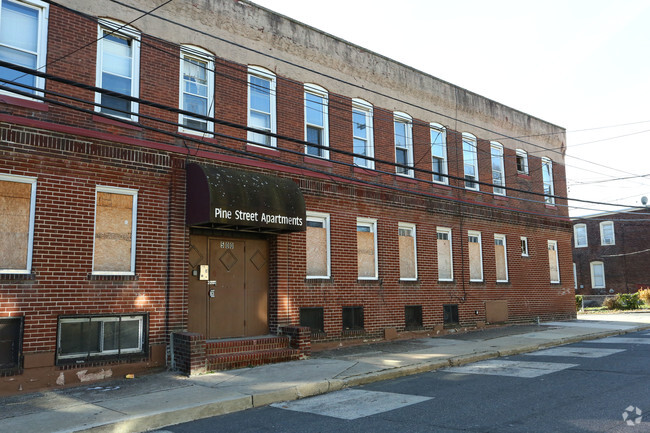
(261,105)
(597,275)
(547,179)
(17,202)
(501,258)
(11,342)
(403,143)
(197,89)
(498,174)
(607,233)
(316,130)
(318,245)
(23,42)
(413,317)
(313,318)
(439,153)
(475,256)
(367,248)
(522,161)
(579,235)
(118,66)
(352,318)
(553,262)
(445,263)
(470,161)
(115,224)
(450,314)
(408,258)
(362,133)
(84,337)
(524,246)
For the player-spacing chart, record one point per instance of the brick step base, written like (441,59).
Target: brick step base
(252,358)
(239,345)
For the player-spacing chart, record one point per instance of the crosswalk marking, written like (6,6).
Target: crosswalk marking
(352,403)
(578,352)
(502,367)
(622,340)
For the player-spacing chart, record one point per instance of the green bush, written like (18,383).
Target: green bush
(623,301)
(578,302)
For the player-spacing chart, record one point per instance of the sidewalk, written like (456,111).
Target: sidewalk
(157,400)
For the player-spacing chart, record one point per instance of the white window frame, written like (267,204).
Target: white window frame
(575,276)
(41,49)
(134,225)
(365,108)
(602,225)
(125,32)
(522,155)
(576,237)
(496,155)
(319,92)
(201,55)
(447,231)
(553,245)
(323,218)
(524,246)
(547,181)
(264,74)
(473,233)
(592,266)
(32,213)
(372,224)
(407,121)
(470,159)
(437,130)
(411,227)
(500,237)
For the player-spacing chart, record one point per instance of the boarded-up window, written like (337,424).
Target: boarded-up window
(407,252)
(366,252)
(317,246)
(475,256)
(445,267)
(553,262)
(500,257)
(16,201)
(114,232)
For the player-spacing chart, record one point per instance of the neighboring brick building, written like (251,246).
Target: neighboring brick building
(249,176)
(611,252)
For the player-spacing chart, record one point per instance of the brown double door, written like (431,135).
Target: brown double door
(233,302)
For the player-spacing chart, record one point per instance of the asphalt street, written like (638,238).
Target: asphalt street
(592,386)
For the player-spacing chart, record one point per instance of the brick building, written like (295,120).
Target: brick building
(611,252)
(214,170)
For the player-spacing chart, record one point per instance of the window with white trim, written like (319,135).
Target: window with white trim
(86,337)
(316,121)
(498,171)
(362,133)
(597,275)
(579,235)
(196,90)
(524,246)
(17,203)
(607,233)
(445,257)
(367,248)
(475,256)
(23,42)
(318,245)
(553,262)
(261,106)
(470,161)
(522,161)
(408,257)
(403,124)
(118,69)
(115,230)
(439,153)
(501,258)
(547,179)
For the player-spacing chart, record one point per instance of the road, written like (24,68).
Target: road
(591,386)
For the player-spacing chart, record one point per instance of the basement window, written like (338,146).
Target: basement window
(352,318)
(11,333)
(450,314)
(413,317)
(313,318)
